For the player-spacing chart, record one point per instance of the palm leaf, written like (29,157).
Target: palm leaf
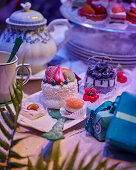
(101,165)
(4,144)
(80,166)
(13,154)
(29,165)
(40,163)
(62,164)
(2,156)
(71,162)
(91,163)
(113,166)
(7,121)
(4,131)
(17,94)
(15,103)
(16,165)
(56,155)
(12,116)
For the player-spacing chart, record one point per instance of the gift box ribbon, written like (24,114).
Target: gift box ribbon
(108,105)
(125,116)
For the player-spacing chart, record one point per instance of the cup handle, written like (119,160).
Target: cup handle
(28,68)
(61,22)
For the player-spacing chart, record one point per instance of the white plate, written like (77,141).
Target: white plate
(46,122)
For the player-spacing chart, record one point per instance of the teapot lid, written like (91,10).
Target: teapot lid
(26,17)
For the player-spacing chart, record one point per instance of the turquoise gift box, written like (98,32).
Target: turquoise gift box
(98,119)
(122,130)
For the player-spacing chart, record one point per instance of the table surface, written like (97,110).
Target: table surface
(34,144)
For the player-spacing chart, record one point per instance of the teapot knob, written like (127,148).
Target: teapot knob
(26,6)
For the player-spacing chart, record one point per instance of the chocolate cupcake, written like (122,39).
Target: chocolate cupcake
(101,76)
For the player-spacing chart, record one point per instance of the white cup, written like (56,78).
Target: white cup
(8,72)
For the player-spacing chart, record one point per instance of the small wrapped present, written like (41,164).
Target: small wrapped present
(98,119)
(122,130)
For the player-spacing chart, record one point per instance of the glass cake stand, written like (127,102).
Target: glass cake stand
(101,38)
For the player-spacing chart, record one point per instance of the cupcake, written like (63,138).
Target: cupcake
(74,108)
(102,76)
(58,84)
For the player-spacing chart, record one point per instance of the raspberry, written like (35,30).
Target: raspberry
(50,73)
(96,97)
(86,97)
(119,74)
(123,79)
(92,99)
(94,91)
(87,90)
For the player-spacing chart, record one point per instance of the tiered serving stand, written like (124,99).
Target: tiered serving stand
(101,38)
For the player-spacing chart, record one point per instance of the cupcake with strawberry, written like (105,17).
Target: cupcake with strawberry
(58,84)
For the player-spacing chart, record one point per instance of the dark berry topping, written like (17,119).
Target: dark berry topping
(92,94)
(53,82)
(99,75)
(66,82)
(94,74)
(89,71)
(45,80)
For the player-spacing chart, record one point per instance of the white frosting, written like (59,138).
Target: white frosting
(118,15)
(104,83)
(54,96)
(32,114)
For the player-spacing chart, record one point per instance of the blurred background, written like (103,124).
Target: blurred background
(49,9)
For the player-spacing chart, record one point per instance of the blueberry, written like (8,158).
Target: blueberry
(93,74)
(104,75)
(45,80)
(65,82)
(92,94)
(53,82)
(89,71)
(99,75)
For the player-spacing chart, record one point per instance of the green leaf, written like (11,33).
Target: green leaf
(62,164)
(4,144)
(13,154)
(29,165)
(80,166)
(7,121)
(2,167)
(54,113)
(4,131)
(17,94)
(113,166)
(71,162)
(10,112)
(2,156)
(56,155)
(56,132)
(15,104)
(101,165)
(91,163)
(16,165)
(40,163)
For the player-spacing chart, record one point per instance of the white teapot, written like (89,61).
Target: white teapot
(31,26)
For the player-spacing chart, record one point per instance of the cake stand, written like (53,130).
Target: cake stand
(101,38)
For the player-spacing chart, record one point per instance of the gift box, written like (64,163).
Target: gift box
(122,130)
(98,119)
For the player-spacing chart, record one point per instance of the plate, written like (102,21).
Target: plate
(45,123)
